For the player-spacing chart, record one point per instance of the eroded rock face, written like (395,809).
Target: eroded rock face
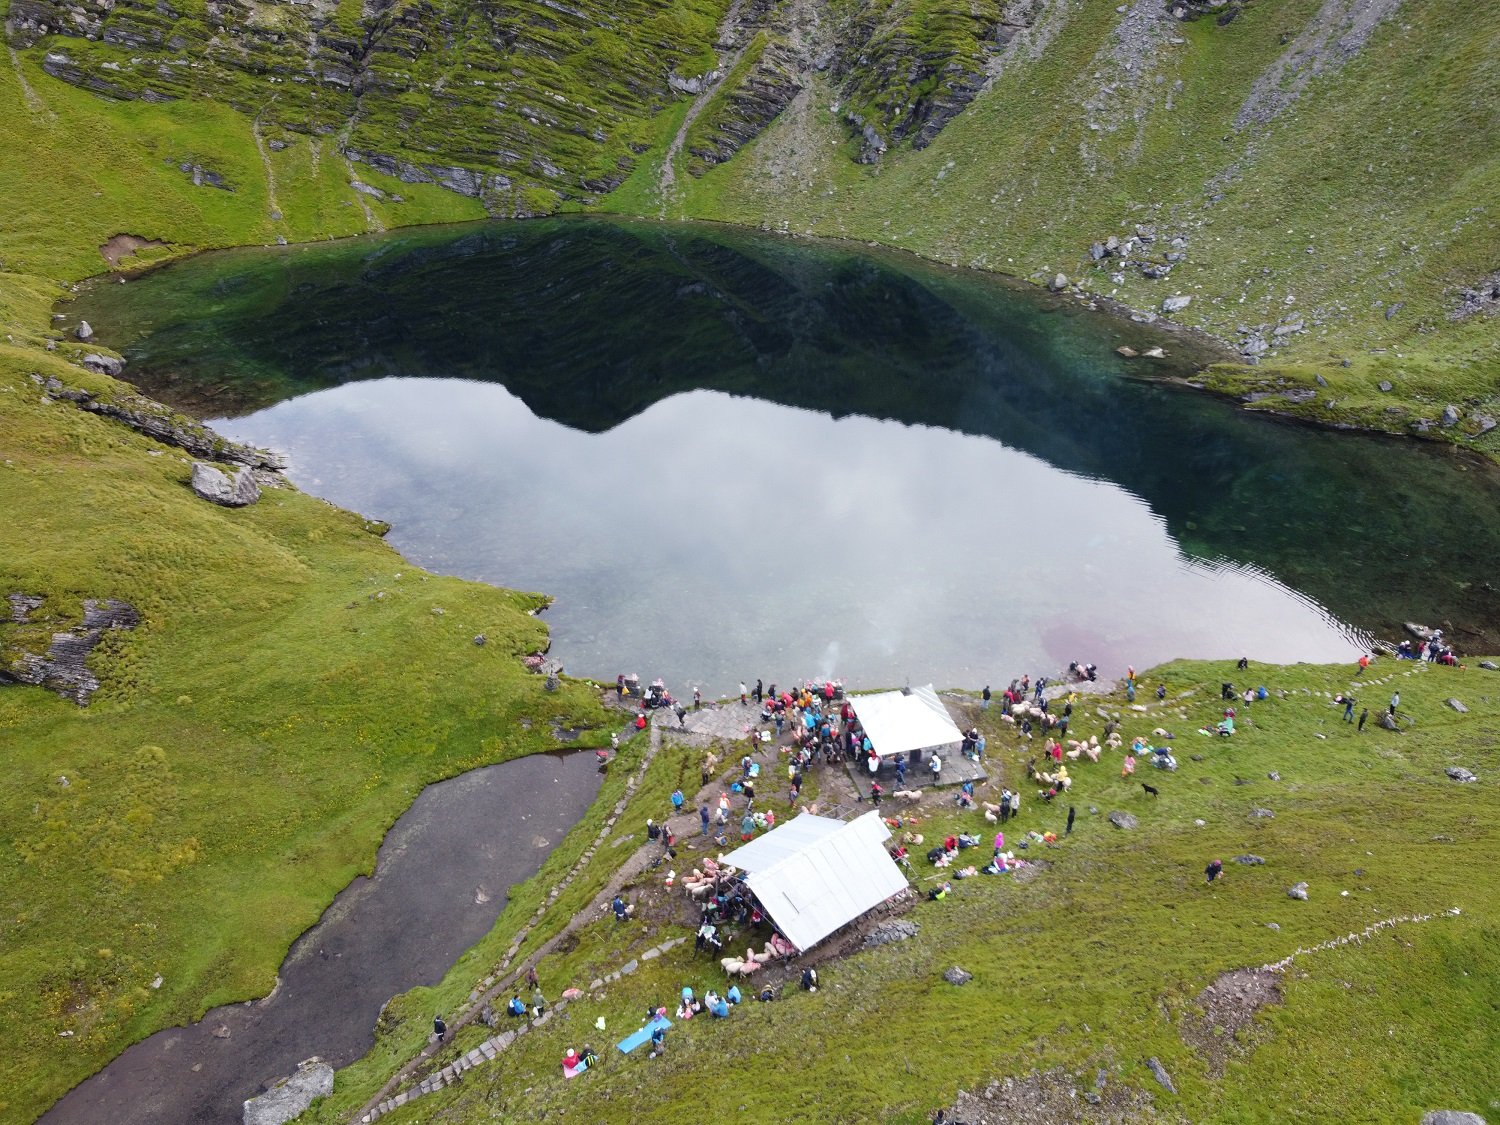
(59,661)
(214,485)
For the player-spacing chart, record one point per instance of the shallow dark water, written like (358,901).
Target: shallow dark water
(441,879)
(731,456)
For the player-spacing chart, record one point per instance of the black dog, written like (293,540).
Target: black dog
(1151,789)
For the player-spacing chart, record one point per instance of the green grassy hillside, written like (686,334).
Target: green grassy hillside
(1357,208)
(1098,958)
(1332,170)
(286,694)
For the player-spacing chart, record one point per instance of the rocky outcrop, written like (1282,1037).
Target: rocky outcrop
(32,653)
(215,486)
(161,422)
(290,1097)
(752,97)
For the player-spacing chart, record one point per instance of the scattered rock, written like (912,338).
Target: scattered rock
(1262,814)
(1161,1074)
(63,667)
(1384,386)
(1123,820)
(221,1032)
(1483,421)
(896,929)
(232,492)
(290,1097)
(1298,892)
(1175,304)
(1127,351)
(1459,774)
(956,975)
(1451,416)
(1274,776)
(1249,860)
(1457,706)
(1489,665)
(1451,1117)
(1097,251)
(85,330)
(1322,382)
(1058,283)
(1273,926)
(1388,721)
(480,639)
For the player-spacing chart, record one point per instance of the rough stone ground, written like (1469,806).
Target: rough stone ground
(1228,1006)
(1053,1096)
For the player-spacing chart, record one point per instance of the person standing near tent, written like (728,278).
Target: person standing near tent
(936,766)
(900,772)
(747,827)
(876,793)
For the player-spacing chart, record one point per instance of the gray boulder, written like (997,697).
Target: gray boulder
(214,485)
(1123,820)
(1262,814)
(1451,1117)
(1459,774)
(1483,421)
(1457,706)
(1298,892)
(1175,304)
(1489,666)
(1097,251)
(1161,1074)
(1384,386)
(1450,416)
(104,364)
(85,330)
(956,975)
(1058,283)
(290,1097)
(1249,860)
(1388,721)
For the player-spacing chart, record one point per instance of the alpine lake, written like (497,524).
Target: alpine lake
(732,456)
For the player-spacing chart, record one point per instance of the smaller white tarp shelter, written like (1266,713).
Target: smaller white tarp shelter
(898,722)
(814,875)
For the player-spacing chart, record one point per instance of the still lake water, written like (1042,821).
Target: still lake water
(732,456)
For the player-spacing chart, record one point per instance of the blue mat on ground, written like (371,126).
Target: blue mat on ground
(631,1042)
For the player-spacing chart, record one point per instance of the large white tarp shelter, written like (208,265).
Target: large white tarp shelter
(814,875)
(901,721)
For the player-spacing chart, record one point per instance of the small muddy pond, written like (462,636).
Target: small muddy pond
(733,456)
(440,881)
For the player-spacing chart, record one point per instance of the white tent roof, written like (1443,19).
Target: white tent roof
(814,875)
(898,721)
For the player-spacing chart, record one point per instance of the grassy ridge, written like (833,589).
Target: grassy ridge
(1097,961)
